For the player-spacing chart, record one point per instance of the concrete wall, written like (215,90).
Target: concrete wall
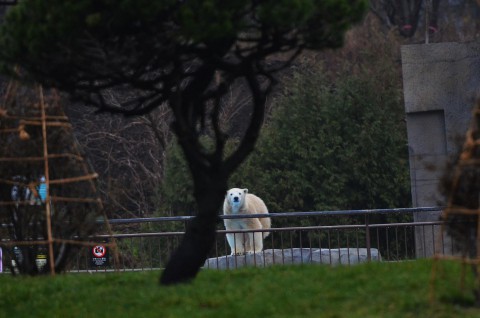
(440,82)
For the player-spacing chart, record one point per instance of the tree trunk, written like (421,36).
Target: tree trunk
(199,238)
(210,174)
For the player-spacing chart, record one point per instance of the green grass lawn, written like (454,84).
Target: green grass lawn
(369,290)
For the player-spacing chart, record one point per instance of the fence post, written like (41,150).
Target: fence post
(367,238)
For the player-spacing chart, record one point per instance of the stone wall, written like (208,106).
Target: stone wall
(441,82)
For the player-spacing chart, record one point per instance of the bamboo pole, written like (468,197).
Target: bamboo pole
(40,123)
(50,156)
(47,179)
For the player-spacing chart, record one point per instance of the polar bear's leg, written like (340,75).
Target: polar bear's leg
(236,243)
(231,242)
(255,243)
(235,240)
(255,239)
(239,243)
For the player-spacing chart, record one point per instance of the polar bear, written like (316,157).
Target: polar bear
(238,202)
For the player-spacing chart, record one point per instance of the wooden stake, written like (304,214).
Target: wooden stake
(47,179)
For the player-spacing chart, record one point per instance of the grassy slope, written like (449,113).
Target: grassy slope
(371,290)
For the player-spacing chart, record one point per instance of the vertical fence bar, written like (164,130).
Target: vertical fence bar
(273,247)
(367,238)
(424,242)
(358,248)
(378,238)
(252,236)
(160,252)
(387,243)
(320,245)
(442,242)
(338,248)
(348,250)
(310,245)
(329,246)
(301,248)
(397,247)
(283,249)
(291,245)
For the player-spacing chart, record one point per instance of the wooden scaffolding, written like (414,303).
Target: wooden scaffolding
(48,197)
(461,216)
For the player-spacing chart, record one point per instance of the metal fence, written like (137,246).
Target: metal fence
(328,237)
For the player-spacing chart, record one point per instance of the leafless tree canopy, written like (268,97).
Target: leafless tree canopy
(129,155)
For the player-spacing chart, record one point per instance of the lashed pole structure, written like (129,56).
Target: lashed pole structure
(461,217)
(33,132)
(48,213)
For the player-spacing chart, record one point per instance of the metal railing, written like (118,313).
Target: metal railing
(329,237)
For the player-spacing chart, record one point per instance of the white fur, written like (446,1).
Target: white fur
(237,202)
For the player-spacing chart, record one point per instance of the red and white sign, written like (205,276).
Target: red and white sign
(99,251)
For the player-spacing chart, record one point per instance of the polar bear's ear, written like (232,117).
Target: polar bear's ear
(245,191)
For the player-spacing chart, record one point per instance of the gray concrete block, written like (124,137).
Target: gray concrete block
(340,256)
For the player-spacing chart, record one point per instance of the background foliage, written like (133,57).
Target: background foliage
(329,145)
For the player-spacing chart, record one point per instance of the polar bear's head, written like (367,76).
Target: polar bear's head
(236,197)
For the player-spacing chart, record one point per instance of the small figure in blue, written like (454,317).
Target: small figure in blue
(20,190)
(42,189)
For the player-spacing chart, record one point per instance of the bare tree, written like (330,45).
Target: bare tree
(129,155)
